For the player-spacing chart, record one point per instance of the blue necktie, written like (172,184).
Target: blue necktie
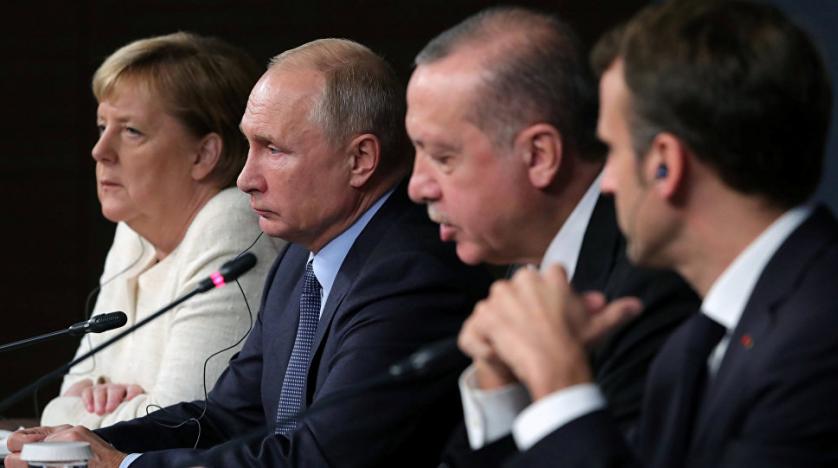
(671,410)
(291,397)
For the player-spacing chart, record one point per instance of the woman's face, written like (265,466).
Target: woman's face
(143,158)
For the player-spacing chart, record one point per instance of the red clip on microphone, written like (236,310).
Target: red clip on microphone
(230,271)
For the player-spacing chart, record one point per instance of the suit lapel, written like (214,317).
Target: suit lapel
(600,248)
(352,265)
(777,282)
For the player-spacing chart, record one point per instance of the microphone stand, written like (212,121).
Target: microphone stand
(33,340)
(230,271)
(20,394)
(98,324)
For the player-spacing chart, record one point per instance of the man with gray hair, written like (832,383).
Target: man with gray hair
(363,283)
(502,113)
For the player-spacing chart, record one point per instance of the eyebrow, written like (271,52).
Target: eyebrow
(436,146)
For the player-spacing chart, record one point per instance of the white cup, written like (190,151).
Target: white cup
(56,454)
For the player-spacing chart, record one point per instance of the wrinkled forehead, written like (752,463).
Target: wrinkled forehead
(439,95)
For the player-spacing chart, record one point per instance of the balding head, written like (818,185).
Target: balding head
(532,71)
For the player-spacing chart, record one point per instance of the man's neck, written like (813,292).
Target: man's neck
(718,232)
(563,198)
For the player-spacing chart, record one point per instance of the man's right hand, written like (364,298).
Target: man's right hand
(539,329)
(18,438)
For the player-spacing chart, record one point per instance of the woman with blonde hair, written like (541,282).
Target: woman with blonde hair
(167,158)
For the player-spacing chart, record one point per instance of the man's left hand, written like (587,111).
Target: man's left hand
(104,455)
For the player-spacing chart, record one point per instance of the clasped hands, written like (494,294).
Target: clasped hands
(104,455)
(535,329)
(102,397)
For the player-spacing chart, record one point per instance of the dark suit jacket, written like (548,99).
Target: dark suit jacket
(621,362)
(772,402)
(398,288)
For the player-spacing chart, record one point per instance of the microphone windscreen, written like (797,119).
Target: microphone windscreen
(105,322)
(439,356)
(237,266)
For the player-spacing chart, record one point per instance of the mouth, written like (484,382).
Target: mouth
(109,183)
(446,229)
(261,211)
(447,232)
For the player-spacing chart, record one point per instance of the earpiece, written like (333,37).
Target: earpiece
(662,172)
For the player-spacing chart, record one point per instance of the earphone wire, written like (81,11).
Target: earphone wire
(197,420)
(87,313)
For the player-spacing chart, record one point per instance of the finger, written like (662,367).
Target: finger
(16,440)
(78,387)
(609,317)
(594,301)
(132,391)
(87,399)
(13,460)
(115,395)
(471,340)
(556,274)
(35,434)
(68,433)
(100,397)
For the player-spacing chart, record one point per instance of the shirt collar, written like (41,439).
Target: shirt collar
(726,299)
(564,248)
(328,260)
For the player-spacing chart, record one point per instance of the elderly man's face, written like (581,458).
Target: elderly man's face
(470,186)
(297,181)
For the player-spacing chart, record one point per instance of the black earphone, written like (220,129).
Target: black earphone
(662,172)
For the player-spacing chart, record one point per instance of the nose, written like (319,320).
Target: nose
(103,150)
(250,178)
(609,181)
(422,188)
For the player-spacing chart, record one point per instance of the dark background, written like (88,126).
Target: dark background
(55,236)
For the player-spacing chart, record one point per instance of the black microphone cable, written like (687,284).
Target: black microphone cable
(87,315)
(197,420)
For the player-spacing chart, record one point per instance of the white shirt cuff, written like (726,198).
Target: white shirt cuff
(554,411)
(129,459)
(489,414)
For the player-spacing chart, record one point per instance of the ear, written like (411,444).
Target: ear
(364,156)
(540,146)
(207,156)
(669,152)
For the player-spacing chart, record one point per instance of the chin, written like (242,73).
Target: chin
(274,229)
(470,255)
(641,257)
(113,214)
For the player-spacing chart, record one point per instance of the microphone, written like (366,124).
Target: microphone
(228,272)
(437,356)
(99,324)
(429,362)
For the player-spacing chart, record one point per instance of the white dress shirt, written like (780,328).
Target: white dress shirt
(725,302)
(489,415)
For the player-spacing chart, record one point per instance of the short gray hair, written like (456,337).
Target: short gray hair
(362,94)
(536,72)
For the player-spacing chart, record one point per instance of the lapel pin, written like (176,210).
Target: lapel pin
(747,341)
